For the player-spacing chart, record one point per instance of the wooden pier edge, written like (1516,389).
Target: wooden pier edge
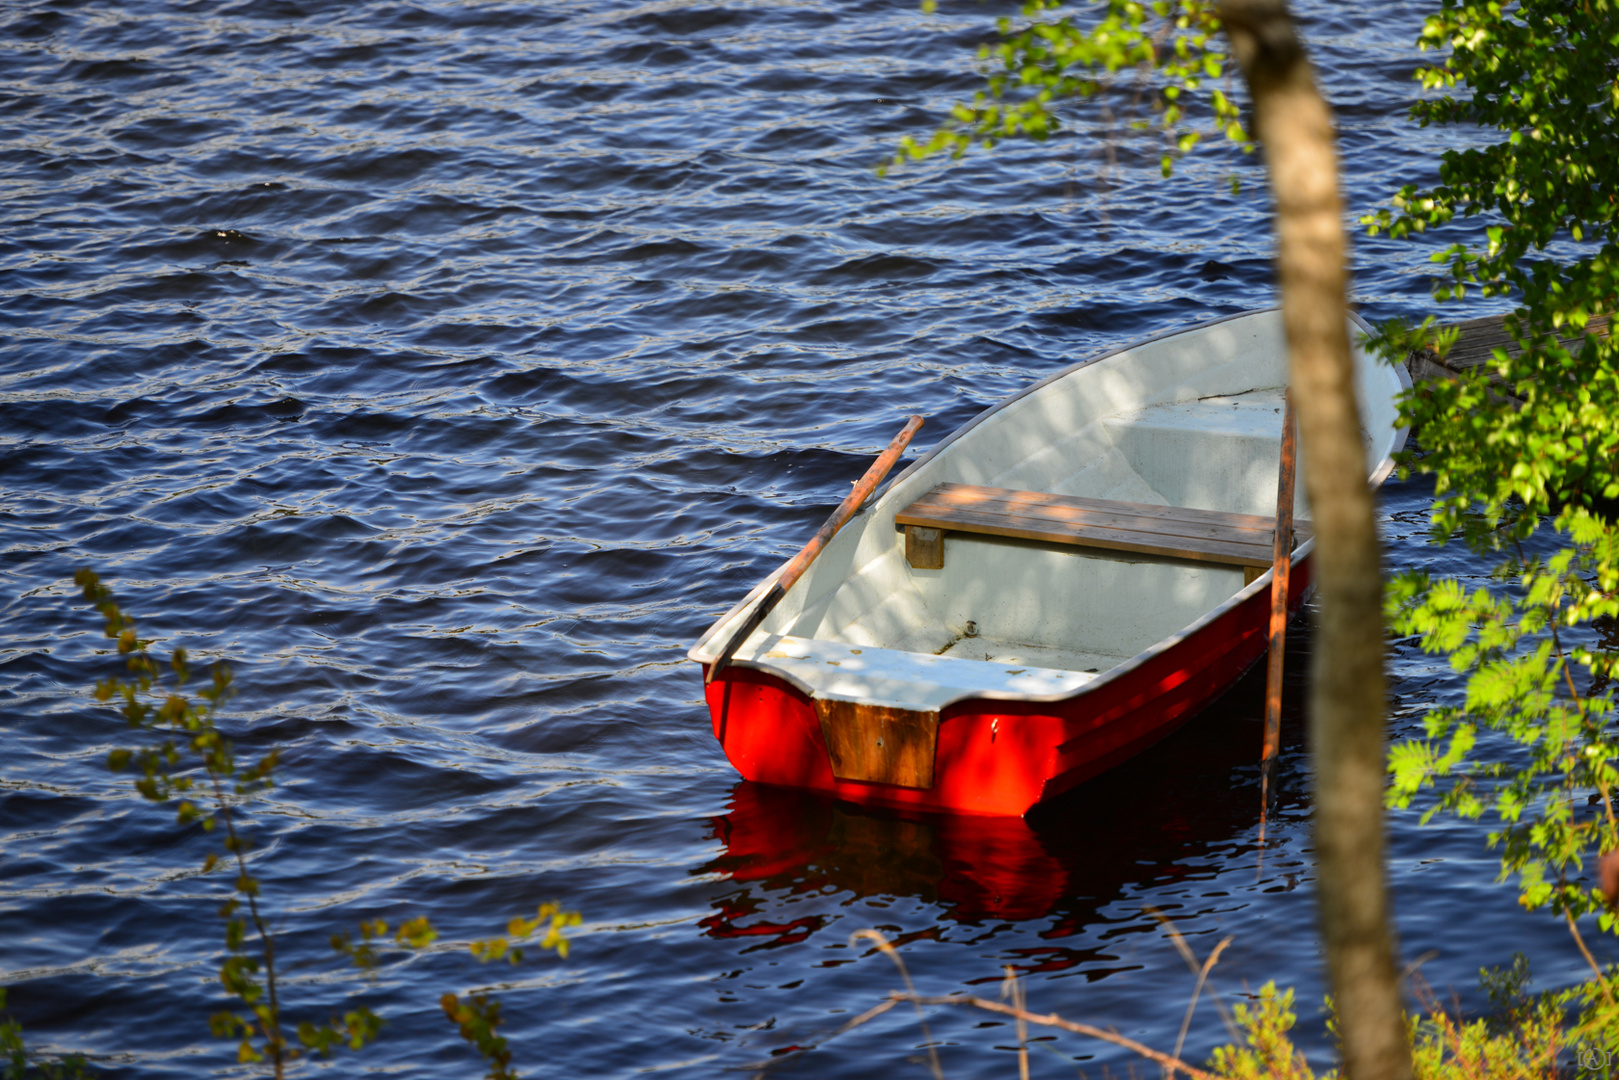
(1476,345)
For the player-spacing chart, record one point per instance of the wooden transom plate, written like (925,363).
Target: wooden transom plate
(879,744)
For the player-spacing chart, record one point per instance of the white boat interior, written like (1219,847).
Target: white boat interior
(1191,419)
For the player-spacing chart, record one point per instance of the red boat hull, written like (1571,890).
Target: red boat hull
(1003,757)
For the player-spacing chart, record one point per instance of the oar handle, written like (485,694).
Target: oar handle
(799,563)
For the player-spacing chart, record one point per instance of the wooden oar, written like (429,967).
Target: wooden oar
(1281,570)
(800,562)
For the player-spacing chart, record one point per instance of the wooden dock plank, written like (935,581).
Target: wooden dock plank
(1476,347)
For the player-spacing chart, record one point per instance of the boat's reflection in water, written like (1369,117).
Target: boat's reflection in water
(1183,813)
(977,867)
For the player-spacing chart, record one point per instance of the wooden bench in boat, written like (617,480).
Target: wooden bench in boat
(1179,532)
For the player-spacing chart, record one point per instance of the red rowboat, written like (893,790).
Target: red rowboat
(1056,586)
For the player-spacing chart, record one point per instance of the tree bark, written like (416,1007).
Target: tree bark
(1346,704)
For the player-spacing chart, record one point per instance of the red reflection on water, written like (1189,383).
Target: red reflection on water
(726,923)
(977,867)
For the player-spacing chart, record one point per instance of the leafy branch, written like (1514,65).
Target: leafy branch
(477,1016)
(194,760)
(1554,798)
(1526,441)
(1054,56)
(188,761)
(1542,76)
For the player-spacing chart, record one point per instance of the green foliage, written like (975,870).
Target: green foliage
(1540,75)
(477,1016)
(356,1028)
(1524,1041)
(417,933)
(1399,338)
(1552,798)
(1540,72)
(1522,440)
(14,1056)
(1052,56)
(1267,1053)
(1522,443)
(551,916)
(1527,1036)
(1445,1048)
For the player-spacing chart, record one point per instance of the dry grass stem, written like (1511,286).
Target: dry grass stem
(1200,970)
(1172,1065)
(1014,987)
(889,951)
(870,1014)
(1191,1006)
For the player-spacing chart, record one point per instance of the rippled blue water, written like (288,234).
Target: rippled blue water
(447,367)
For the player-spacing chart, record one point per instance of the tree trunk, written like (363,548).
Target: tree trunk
(1294,125)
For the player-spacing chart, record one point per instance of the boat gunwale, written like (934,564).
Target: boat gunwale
(1303,551)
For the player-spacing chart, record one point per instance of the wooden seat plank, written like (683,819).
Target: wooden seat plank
(1177,532)
(973,494)
(1030,527)
(938,506)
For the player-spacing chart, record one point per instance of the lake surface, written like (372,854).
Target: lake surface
(447,368)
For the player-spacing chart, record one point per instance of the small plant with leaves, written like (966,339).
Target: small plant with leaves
(189,761)
(1266,1051)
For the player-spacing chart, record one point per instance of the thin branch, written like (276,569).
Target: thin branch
(1015,988)
(1172,1064)
(893,954)
(1192,965)
(870,1014)
(1602,980)
(1202,977)
(273,1029)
